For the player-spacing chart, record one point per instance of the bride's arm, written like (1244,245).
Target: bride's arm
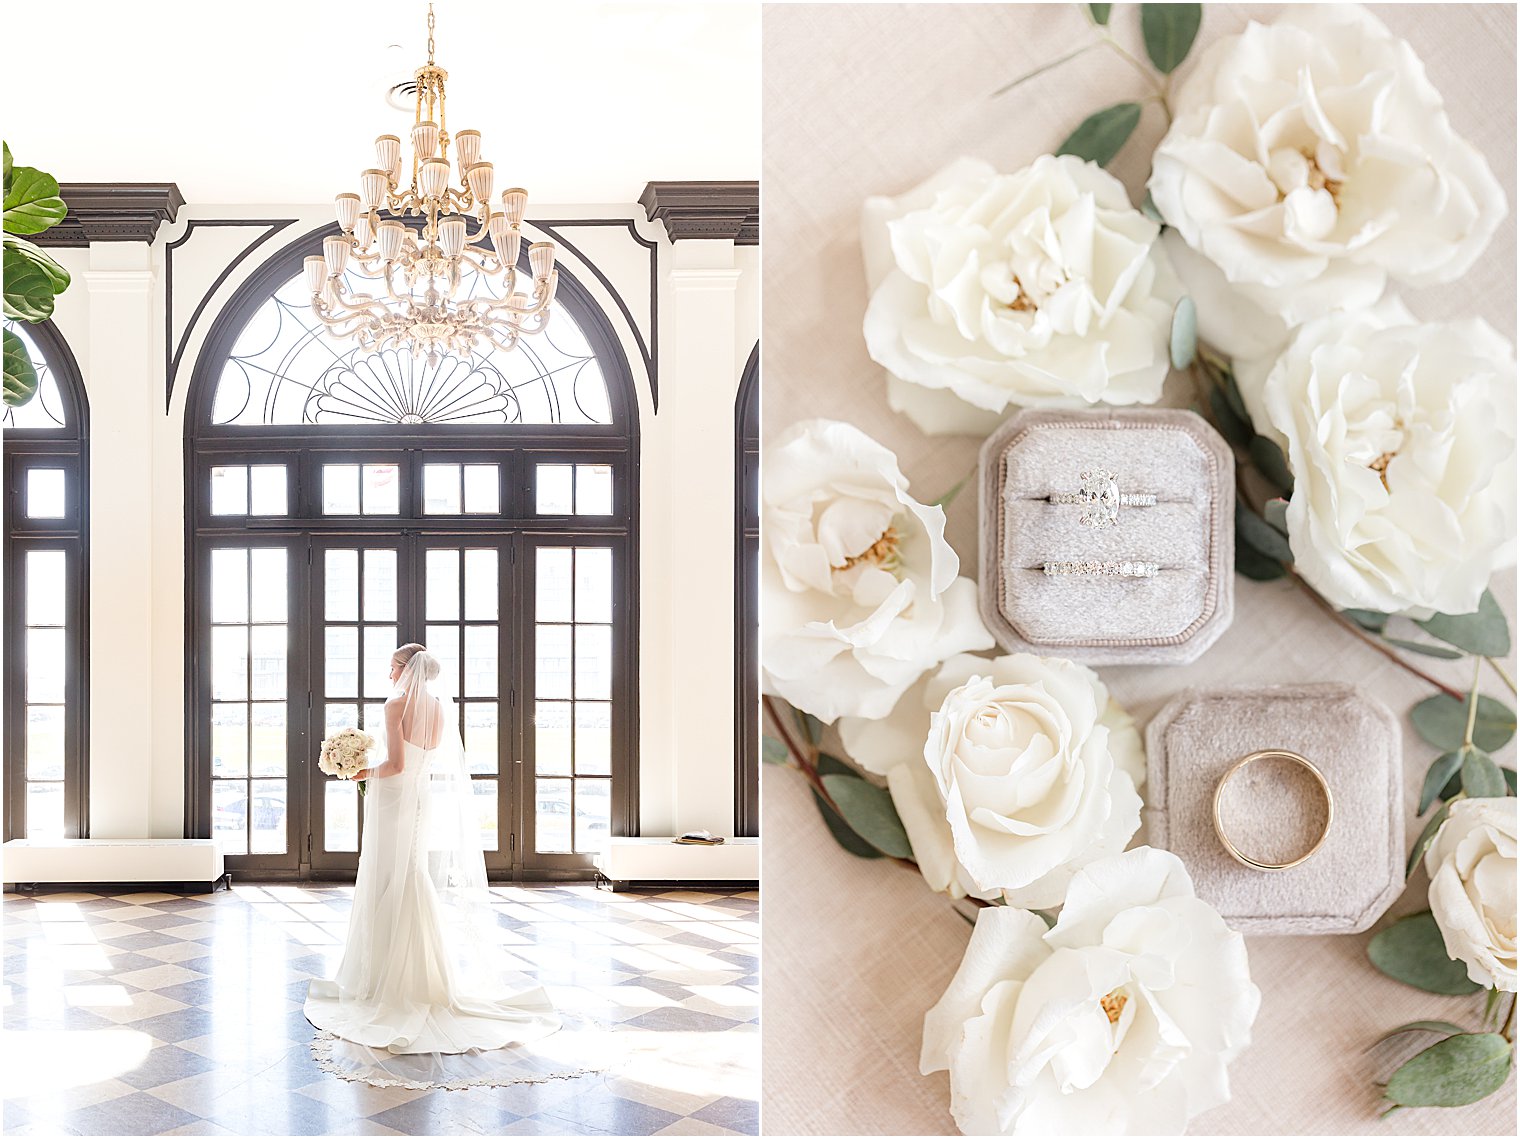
(394,747)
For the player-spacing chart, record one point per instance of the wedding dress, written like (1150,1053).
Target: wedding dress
(422,997)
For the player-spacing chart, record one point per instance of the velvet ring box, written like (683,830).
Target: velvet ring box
(1170,618)
(1275,810)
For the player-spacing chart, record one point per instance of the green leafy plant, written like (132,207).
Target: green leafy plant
(32,278)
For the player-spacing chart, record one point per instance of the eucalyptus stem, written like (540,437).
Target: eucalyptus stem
(1504,676)
(1472,707)
(1162,90)
(1508,1031)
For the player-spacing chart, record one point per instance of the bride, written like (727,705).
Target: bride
(421,974)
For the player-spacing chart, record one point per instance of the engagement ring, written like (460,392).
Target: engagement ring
(1100,499)
(1101,569)
(1291,757)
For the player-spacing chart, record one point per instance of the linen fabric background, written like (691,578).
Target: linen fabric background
(872,99)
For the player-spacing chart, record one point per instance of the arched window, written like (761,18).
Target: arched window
(46,704)
(747,599)
(341,503)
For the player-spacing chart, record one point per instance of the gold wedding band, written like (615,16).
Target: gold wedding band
(1272,753)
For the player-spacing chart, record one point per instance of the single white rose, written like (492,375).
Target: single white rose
(1043,288)
(1120,1020)
(1009,775)
(1310,161)
(1401,439)
(859,593)
(1471,863)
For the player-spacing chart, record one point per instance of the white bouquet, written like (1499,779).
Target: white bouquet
(345,753)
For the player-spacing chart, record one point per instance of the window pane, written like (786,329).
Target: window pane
(229,663)
(267,817)
(593,813)
(229,740)
(44,810)
(229,585)
(593,662)
(372,718)
(269,585)
(44,743)
(480,736)
(44,666)
(553,817)
(229,490)
(555,495)
(341,815)
(341,716)
(46,575)
(442,585)
(269,739)
(229,815)
(267,485)
(482,489)
(480,666)
(342,664)
(382,486)
(551,738)
(342,585)
(480,586)
(593,584)
(593,489)
(593,738)
(440,488)
(553,665)
(485,805)
(379,585)
(443,643)
(269,646)
(553,583)
(379,646)
(340,488)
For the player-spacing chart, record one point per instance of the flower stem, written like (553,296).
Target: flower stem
(1472,707)
(1042,69)
(1504,676)
(1162,90)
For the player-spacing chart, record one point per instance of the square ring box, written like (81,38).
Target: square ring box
(1170,618)
(1274,810)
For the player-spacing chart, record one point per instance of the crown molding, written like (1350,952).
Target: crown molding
(705,211)
(112,211)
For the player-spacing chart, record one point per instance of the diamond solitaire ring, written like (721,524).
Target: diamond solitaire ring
(1101,569)
(1100,499)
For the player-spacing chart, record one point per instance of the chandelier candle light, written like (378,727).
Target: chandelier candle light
(422,268)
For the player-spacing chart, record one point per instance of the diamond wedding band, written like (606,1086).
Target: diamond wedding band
(1101,569)
(1292,757)
(1100,499)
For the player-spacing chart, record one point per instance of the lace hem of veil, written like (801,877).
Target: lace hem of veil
(582,1047)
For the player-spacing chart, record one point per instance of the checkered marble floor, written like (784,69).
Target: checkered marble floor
(161,1014)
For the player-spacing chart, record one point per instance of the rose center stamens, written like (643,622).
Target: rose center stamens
(883,552)
(1380,465)
(1319,180)
(1113,1005)
(1023,302)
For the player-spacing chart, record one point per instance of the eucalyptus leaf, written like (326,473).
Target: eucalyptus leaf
(1412,951)
(1438,651)
(1250,529)
(1257,567)
(1100,13)
(1169,31)
(1484,633)
(1368,619)
(1442,1026)
(1184,341)
(1269,460)
(1509,778)
(1437,777)
(811,725)
(869,811)
(1235,429)
(32,203)
(1102,133)
(1275,514)
(20,373)
(1432,825)
(772,750)
(1459,1070)
(1481,778)
(843,833)
(1441,721)
(1148,208)
(1232,393)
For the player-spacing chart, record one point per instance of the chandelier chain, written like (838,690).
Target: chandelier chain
(430,35)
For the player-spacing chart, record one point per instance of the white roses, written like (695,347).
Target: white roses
(1121,1019)
(1309,162)
(860,593)
(1471,864)
(1029,772)
(1044,287)
(1401,438)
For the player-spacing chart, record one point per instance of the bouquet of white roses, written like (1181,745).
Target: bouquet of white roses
(345,753)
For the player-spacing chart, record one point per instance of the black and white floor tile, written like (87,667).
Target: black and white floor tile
(160,1014)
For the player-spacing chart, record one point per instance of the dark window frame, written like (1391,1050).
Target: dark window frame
(518,530)
(747,600)
(66,447)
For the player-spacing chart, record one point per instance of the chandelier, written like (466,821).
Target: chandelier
(420,268)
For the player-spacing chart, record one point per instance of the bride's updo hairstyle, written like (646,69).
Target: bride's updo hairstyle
(430,666)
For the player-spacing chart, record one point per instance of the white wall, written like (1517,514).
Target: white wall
(113,318)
